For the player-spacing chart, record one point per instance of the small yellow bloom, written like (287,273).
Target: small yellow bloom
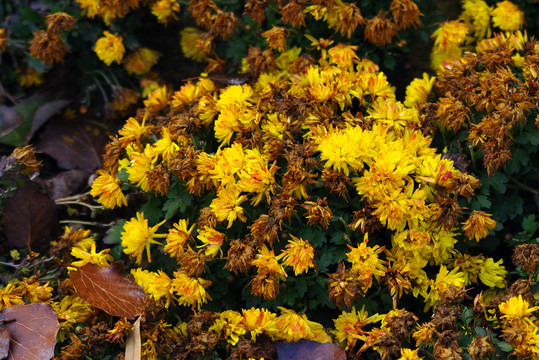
(226,206)
(212,240)
(188,42)
(418,90)
(165,10)
(478,225)
(102,258)
(141,61)
(178,237)
(299,254)
(516,307)
(276,38)
(109,48)
(157,99)
(259,321)
(229,324)
(29,77)
(107,187)
(137,236)
(191,291)
(507,16)
(409,354)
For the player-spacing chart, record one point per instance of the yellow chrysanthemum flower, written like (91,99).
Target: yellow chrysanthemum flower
(476,14)
(107,187)
(229,324)
(226,205)
(507,16)
(90,8)
(418,90)
(299,254)
(191,291)
(516,308)
(259,321)
(178,237)
(156,284)
(141,61)
(110,48)
(137,236)
(211,239)
(293,327)
(478,225)
(165,10)
(349,326)
(102,258)
(28,77)
(188,41)
(409,354)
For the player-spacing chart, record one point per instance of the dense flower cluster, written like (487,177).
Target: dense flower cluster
(275,156)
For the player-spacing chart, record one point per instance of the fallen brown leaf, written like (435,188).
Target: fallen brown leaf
(5,338)
(106,288)
(309,350)
(33,331)
(29,217)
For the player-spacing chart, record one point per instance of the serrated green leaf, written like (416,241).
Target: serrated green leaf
(480,331)
(301,286)
(529,224)
(152,210)
(177,202)
(499,181)
(114,234)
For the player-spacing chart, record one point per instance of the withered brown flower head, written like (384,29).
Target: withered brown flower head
(206,218)
(257,10)
(265,284)
(388,346)
(260,61)
(380,30)
(202,10)
(239,256)
(265,229)
(344,287)
(59,21)
(527,256)
(192,262)
(24,158)
(401,323)
(447,347)
(293,14)
(336,182)
(318,212)
(447,211)
(445,317)
(282,207)
(224,24)
(276,38)
(159,179)
(480,348)
(183,164)
(48,47)
(365,221)
(405,13)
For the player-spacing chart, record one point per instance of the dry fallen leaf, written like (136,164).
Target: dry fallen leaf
(133,344)
(106,288)
(29,217)
(33,331)
(74,145)
(309,350)
(5,338)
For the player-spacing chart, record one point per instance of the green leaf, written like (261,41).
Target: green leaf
(390,62)
(152,210)
(505,347)
(177,201)
(498,182)
(114,234)
(529,224)
(301,286)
